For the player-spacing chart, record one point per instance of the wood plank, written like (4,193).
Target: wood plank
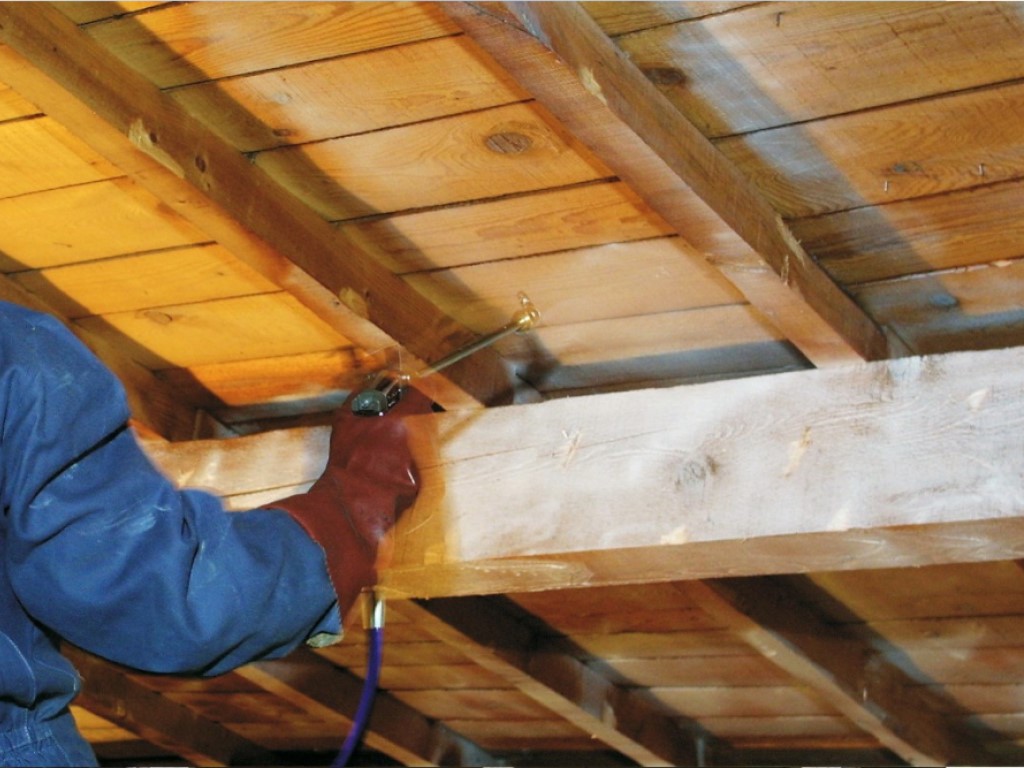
(611,107)
(130,121)
(41,154)
(925,147)
(394,728)
(554,681)
(178,276)
(520,226)
(975,591)
(698,477)
(642,336)
(86,11)
(246,327)
(343,96)
(618,18)
(212,41)
(88,222)
(750,701)
(975,226)
(13,105)
(480,155)
(875,695)
(612,280)
(977,307)
(109,692)
(779,63)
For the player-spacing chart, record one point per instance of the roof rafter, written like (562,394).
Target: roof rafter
(558,53)
(147,134)
(395,729)
(624,721)
(877,697)
(745,477)
(110,693)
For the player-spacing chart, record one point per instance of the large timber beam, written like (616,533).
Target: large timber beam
(128,120)
(899,463)
(560,55)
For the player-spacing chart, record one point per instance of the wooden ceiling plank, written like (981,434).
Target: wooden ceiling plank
(557,681)
(561,56)
(127,119)
(491,153)
(800,472)
(779,63)
(342,96)
(933,146)
(210,41)
(554,220)
(877,697)
(395,729)
(113,695)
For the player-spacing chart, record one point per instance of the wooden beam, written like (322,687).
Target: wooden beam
(395,729)
(128,120)
(880,699)
(900,463)
(615,716)
(558,53)
(113,695)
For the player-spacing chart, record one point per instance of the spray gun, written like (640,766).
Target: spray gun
(385,390)
(383,393)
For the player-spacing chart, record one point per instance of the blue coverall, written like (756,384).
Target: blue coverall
(99,548)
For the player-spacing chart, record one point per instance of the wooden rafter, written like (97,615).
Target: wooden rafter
(559,54)
(111,693)
(624,721)
(877,697)
(395,729)
(898,463)
(155,142)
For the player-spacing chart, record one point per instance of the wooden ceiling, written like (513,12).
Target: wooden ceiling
(755,498)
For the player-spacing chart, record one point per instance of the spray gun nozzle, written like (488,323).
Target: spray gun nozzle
(386,389)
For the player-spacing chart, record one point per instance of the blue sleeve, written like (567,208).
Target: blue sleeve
(106,552)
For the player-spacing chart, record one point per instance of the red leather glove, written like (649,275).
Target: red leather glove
(369,480)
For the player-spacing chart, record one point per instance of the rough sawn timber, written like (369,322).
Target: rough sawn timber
(899,463)
(561,56)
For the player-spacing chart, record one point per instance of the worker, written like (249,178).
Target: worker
(99,549)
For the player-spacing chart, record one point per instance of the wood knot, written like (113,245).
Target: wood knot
(508,143)
(664,75)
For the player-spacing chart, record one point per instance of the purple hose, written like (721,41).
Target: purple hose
(362,717)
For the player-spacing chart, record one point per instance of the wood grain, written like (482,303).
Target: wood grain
(519,226)
(774,64)
(88,222)
(342,96)
(179,276)
(209,41)
(445,161)
(40,154)
(975,226)
(248,327)
(927,147)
